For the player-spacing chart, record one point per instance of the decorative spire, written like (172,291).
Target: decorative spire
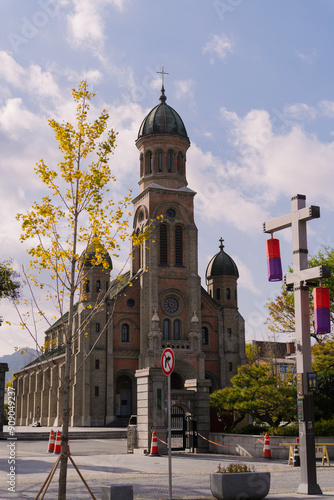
(221,246)
(163,98)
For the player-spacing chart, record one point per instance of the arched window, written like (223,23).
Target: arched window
(178,246)
(166,329)
(229,332)
(177,329)
(160,161)
(180,163)
(87,287)
(125,333)
(230,367)
(141,165)
(170,161)
(97,364)
(218,294)
(97,327)
(149,162)
(205,335)
(98,285)
(228,293)
(163,245)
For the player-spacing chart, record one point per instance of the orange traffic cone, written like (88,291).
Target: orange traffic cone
(58,443)
(154,446)
(51,445)
(266,447)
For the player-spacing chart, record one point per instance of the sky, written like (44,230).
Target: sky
(251,79)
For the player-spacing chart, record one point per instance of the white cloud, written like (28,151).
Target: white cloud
(218,46)
(327,108)
(301,111)
(86,22)
(29,80)
(14,118)
(184,88)
(308,57)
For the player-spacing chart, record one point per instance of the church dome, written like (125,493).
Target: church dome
(221,264)
(91,252)
(162,119)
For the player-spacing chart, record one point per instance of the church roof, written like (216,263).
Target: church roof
(162,119)
(94,250)
(221,264)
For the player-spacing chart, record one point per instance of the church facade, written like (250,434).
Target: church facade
(158,303)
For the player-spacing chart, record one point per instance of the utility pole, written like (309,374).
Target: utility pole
(299,279)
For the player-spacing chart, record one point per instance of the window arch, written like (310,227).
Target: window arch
(178,246)
(159,161)
(180,163)
(141,165)
(177,329)
(228,293)
(166,329)
(163,245)
(125,333)
(205,335)
(170,158)
(218,294)
(149,162)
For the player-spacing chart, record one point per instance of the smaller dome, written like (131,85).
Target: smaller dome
(162,119)
(221,264)
(92,251)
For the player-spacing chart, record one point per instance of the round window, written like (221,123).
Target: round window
(171,305)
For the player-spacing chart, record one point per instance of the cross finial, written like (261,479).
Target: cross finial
(162,73)
(221,246)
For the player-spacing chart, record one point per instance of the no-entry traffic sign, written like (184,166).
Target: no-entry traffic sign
(167,361)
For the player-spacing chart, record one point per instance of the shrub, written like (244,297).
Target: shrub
(235,468)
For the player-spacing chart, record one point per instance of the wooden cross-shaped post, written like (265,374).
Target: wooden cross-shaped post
(300,277)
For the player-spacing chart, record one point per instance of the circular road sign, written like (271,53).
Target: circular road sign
(167,361)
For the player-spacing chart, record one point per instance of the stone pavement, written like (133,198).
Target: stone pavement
(149,476)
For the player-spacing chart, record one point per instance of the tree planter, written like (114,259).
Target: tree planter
(240,486)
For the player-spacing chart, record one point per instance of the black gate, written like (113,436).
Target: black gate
(178,428)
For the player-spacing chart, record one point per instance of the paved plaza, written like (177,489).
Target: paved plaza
(105,461)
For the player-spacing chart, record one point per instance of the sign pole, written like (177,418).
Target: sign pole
(167,365)
(169,438)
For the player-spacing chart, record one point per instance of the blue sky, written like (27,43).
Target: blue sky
(252,81)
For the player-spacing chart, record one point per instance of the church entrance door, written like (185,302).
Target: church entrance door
(123,396)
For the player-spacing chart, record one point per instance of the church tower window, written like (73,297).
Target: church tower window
(180,163)
(98,285)
(218,294)
(160,161)
(149,162)
(97,327)
(205,335)
(87,286)
(178,246)
(170,161)
(177,329)
(228,293)
(166,329)
(163,245)
(125,333)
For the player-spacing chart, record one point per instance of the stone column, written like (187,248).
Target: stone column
(3,370)
(202,411)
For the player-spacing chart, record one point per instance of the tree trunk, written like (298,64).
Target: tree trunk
(66,418)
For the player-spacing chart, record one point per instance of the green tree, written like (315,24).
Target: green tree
(9,284)
(281,310)
(323,364)
(78,213)
(257,393)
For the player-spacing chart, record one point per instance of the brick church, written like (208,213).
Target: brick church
(158,303)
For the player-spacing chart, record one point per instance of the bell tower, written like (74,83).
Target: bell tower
(168,260)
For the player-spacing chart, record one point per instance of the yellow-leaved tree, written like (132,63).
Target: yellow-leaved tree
(79,213)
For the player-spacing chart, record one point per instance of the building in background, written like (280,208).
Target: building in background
(158,303)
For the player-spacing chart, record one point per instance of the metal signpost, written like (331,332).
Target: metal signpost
(300,277)
(167,365)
